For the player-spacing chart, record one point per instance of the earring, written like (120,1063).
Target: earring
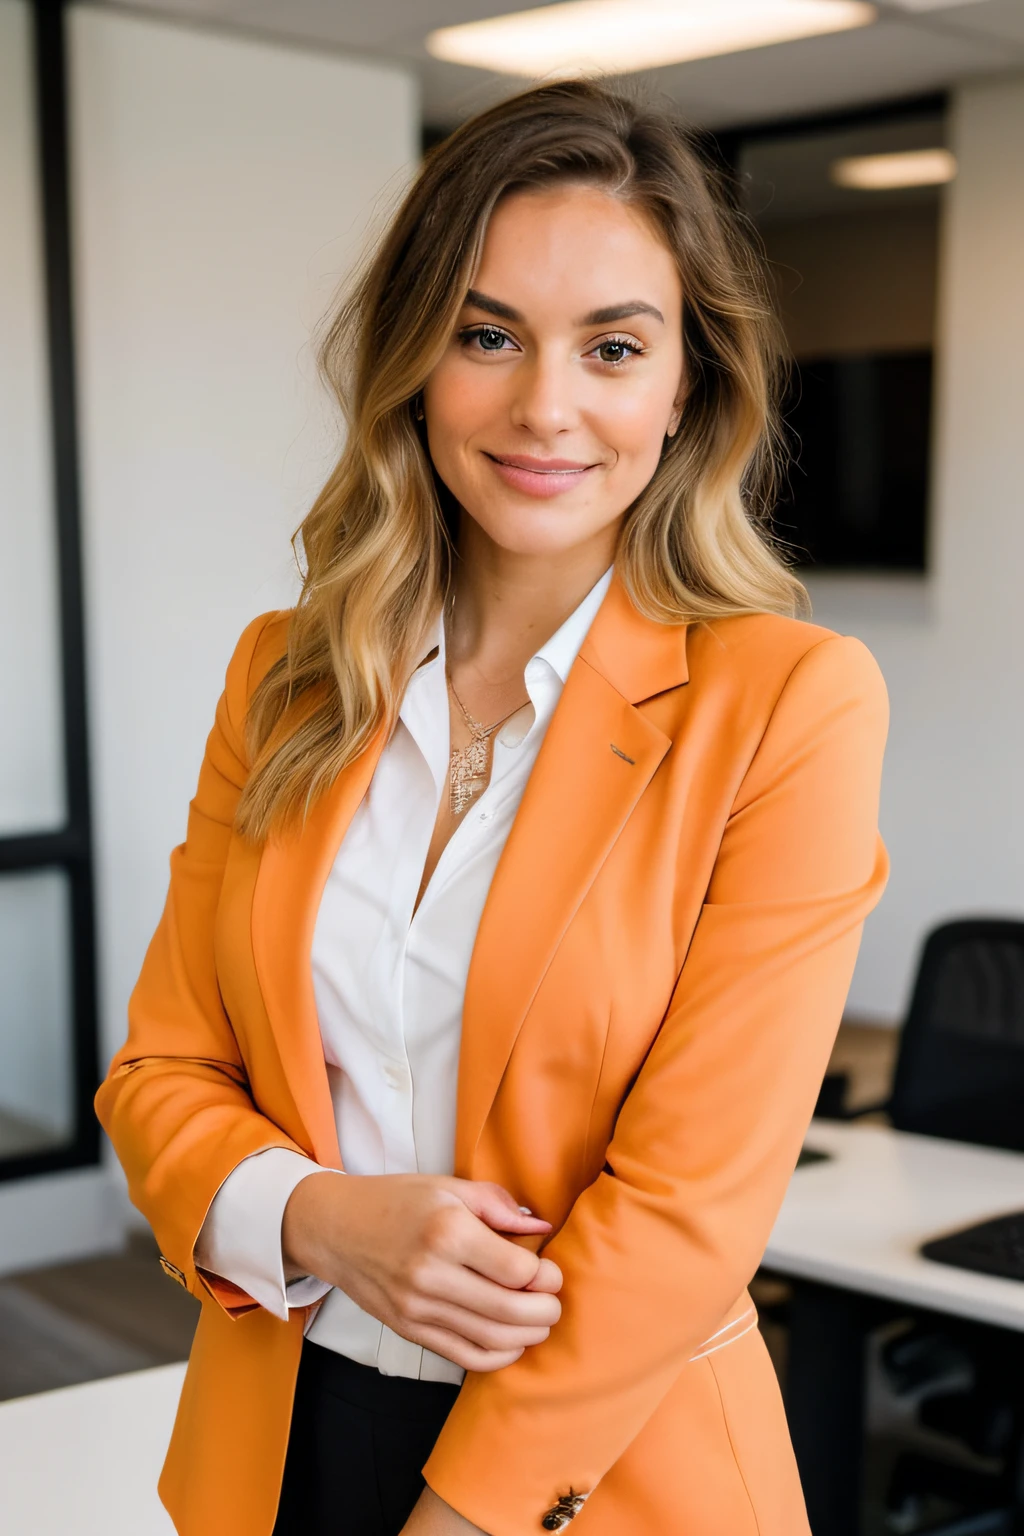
(418,410)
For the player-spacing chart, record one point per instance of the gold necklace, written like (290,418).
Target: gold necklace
(469,767)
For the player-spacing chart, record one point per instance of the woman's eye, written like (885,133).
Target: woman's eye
(487,337)
(616,351)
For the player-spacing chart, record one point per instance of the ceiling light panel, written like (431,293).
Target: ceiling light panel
(584,37)
(884,173)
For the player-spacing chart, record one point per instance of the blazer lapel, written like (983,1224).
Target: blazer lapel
(597,759)
(289,884)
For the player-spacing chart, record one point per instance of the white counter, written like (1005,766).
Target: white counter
(856,1221)
(84,1461)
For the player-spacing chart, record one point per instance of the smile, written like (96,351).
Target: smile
(539,477)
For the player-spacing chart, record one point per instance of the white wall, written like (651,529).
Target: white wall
(952,648)
(221,187)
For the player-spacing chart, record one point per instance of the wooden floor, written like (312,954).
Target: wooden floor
(98,1317)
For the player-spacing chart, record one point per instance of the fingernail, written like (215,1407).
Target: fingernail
(525,1209)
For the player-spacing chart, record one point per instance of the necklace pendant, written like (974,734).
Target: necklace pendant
(467,774)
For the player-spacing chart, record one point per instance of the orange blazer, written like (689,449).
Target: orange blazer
(659,972)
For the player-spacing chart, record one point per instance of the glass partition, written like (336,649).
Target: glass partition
(47,982)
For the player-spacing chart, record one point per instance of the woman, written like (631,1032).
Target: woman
(523,882)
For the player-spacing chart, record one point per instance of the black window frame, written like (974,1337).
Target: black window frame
(68,849)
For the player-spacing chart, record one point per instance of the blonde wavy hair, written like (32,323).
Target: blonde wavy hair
(378,543)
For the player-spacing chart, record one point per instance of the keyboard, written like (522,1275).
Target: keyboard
(992,1247)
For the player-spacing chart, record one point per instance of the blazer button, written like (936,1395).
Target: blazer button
(568,1507)
(174,1272)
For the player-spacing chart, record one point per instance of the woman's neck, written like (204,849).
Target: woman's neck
(507,605)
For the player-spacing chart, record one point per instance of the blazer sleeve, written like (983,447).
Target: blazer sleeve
(661,1245)
(176,1102)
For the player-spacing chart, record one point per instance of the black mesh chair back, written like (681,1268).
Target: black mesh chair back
(960,1071)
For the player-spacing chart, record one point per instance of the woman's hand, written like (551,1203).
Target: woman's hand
(424,1255)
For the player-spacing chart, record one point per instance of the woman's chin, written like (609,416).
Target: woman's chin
(545,529)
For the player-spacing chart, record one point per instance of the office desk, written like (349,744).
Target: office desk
(84,1461)
(847,1236)
(857,1220)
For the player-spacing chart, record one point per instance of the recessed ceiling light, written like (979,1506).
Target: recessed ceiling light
(582,37)
(882,173)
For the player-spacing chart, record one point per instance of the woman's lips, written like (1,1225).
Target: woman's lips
(539,477)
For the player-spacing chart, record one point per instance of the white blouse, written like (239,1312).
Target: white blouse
(389,987)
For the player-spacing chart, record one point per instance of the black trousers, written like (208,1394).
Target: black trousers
(358,1441)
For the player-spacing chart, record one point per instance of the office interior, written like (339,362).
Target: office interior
(185,184)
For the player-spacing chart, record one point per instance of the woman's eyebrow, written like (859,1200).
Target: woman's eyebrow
(606,316)
(613,312)
(491,306)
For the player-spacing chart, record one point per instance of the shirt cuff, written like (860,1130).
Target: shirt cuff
(241,1237)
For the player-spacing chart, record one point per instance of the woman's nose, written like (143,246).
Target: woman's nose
(543,400)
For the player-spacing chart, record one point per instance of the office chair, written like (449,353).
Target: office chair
(959,1075)
(960,1068)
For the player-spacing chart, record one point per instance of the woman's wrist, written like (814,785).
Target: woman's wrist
(305,1220)
(433,1517)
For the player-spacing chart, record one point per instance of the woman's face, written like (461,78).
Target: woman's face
(547,414)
